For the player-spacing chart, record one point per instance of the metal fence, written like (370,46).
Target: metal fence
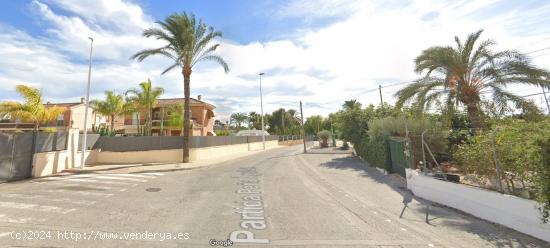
(91,140)
(17,150)
(51,141)
(15,156)
(146,143)
(289,137)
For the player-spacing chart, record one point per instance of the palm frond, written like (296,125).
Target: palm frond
(502,97)
(469,45)
(420,87)
(218,60)
(187,39)
(205,53)
(177,64)
(143,54)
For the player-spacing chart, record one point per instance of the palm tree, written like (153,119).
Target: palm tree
(176,117)
(188,42)
(293,117)
(32,110)
(254,120)
(113,106)
(462,74)
(145,99)
(238,119)
(351,105)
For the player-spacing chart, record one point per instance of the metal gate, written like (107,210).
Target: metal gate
(400,157)
(15,155)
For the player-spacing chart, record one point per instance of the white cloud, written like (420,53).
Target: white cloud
(311,9)
(372,43)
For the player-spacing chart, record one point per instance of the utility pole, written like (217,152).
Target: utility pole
(380,90)
(497,162)
(546,99)
(303,127)
(332,133)
(85,140)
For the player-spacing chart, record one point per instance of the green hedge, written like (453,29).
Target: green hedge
(374,152)
(543,181)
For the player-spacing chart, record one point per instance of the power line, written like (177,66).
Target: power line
(369,91)
(362,93)
(532,43)
(535,94)
(540,55)
(542,49)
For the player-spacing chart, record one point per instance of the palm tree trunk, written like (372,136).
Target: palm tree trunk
(186,109)
(150,121)
(475,118)
(112,123)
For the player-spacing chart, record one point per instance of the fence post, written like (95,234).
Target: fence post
(423,150)
(33,146)
(497,162)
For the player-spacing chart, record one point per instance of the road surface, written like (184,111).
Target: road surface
(279,198)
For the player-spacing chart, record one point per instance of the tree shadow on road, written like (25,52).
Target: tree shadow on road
(328,150)
(439,216)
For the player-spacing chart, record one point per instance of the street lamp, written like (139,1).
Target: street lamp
(87,104)
(262,110)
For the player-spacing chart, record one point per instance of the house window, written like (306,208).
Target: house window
(60,120)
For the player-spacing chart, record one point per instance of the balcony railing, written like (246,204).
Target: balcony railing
(16,126)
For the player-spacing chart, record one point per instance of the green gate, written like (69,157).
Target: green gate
(399,156)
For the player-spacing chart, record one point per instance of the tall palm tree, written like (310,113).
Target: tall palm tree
(113,106)
(238,119)
(145,99)
(462,74)
(351,105)
(32,110)
(188,42)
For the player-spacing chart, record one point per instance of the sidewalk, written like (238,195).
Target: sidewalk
(157,167)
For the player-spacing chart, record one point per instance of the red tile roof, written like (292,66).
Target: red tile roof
(173,101)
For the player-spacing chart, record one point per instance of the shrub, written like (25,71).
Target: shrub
(435,137)
(103,130)
(324,136)
(49,130)
(522,150)
(222,132)
(542,179)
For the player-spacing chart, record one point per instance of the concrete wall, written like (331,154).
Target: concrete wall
(511,211)
(176,155)
(77,117)
(47,163)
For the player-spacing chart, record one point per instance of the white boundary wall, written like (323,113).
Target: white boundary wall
(508,210)
(48,163)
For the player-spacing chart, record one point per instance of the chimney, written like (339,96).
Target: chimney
(82,100)
(199,97)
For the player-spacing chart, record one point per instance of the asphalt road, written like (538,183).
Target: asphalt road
(280,198)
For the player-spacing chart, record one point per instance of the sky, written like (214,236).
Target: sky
(320,52)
